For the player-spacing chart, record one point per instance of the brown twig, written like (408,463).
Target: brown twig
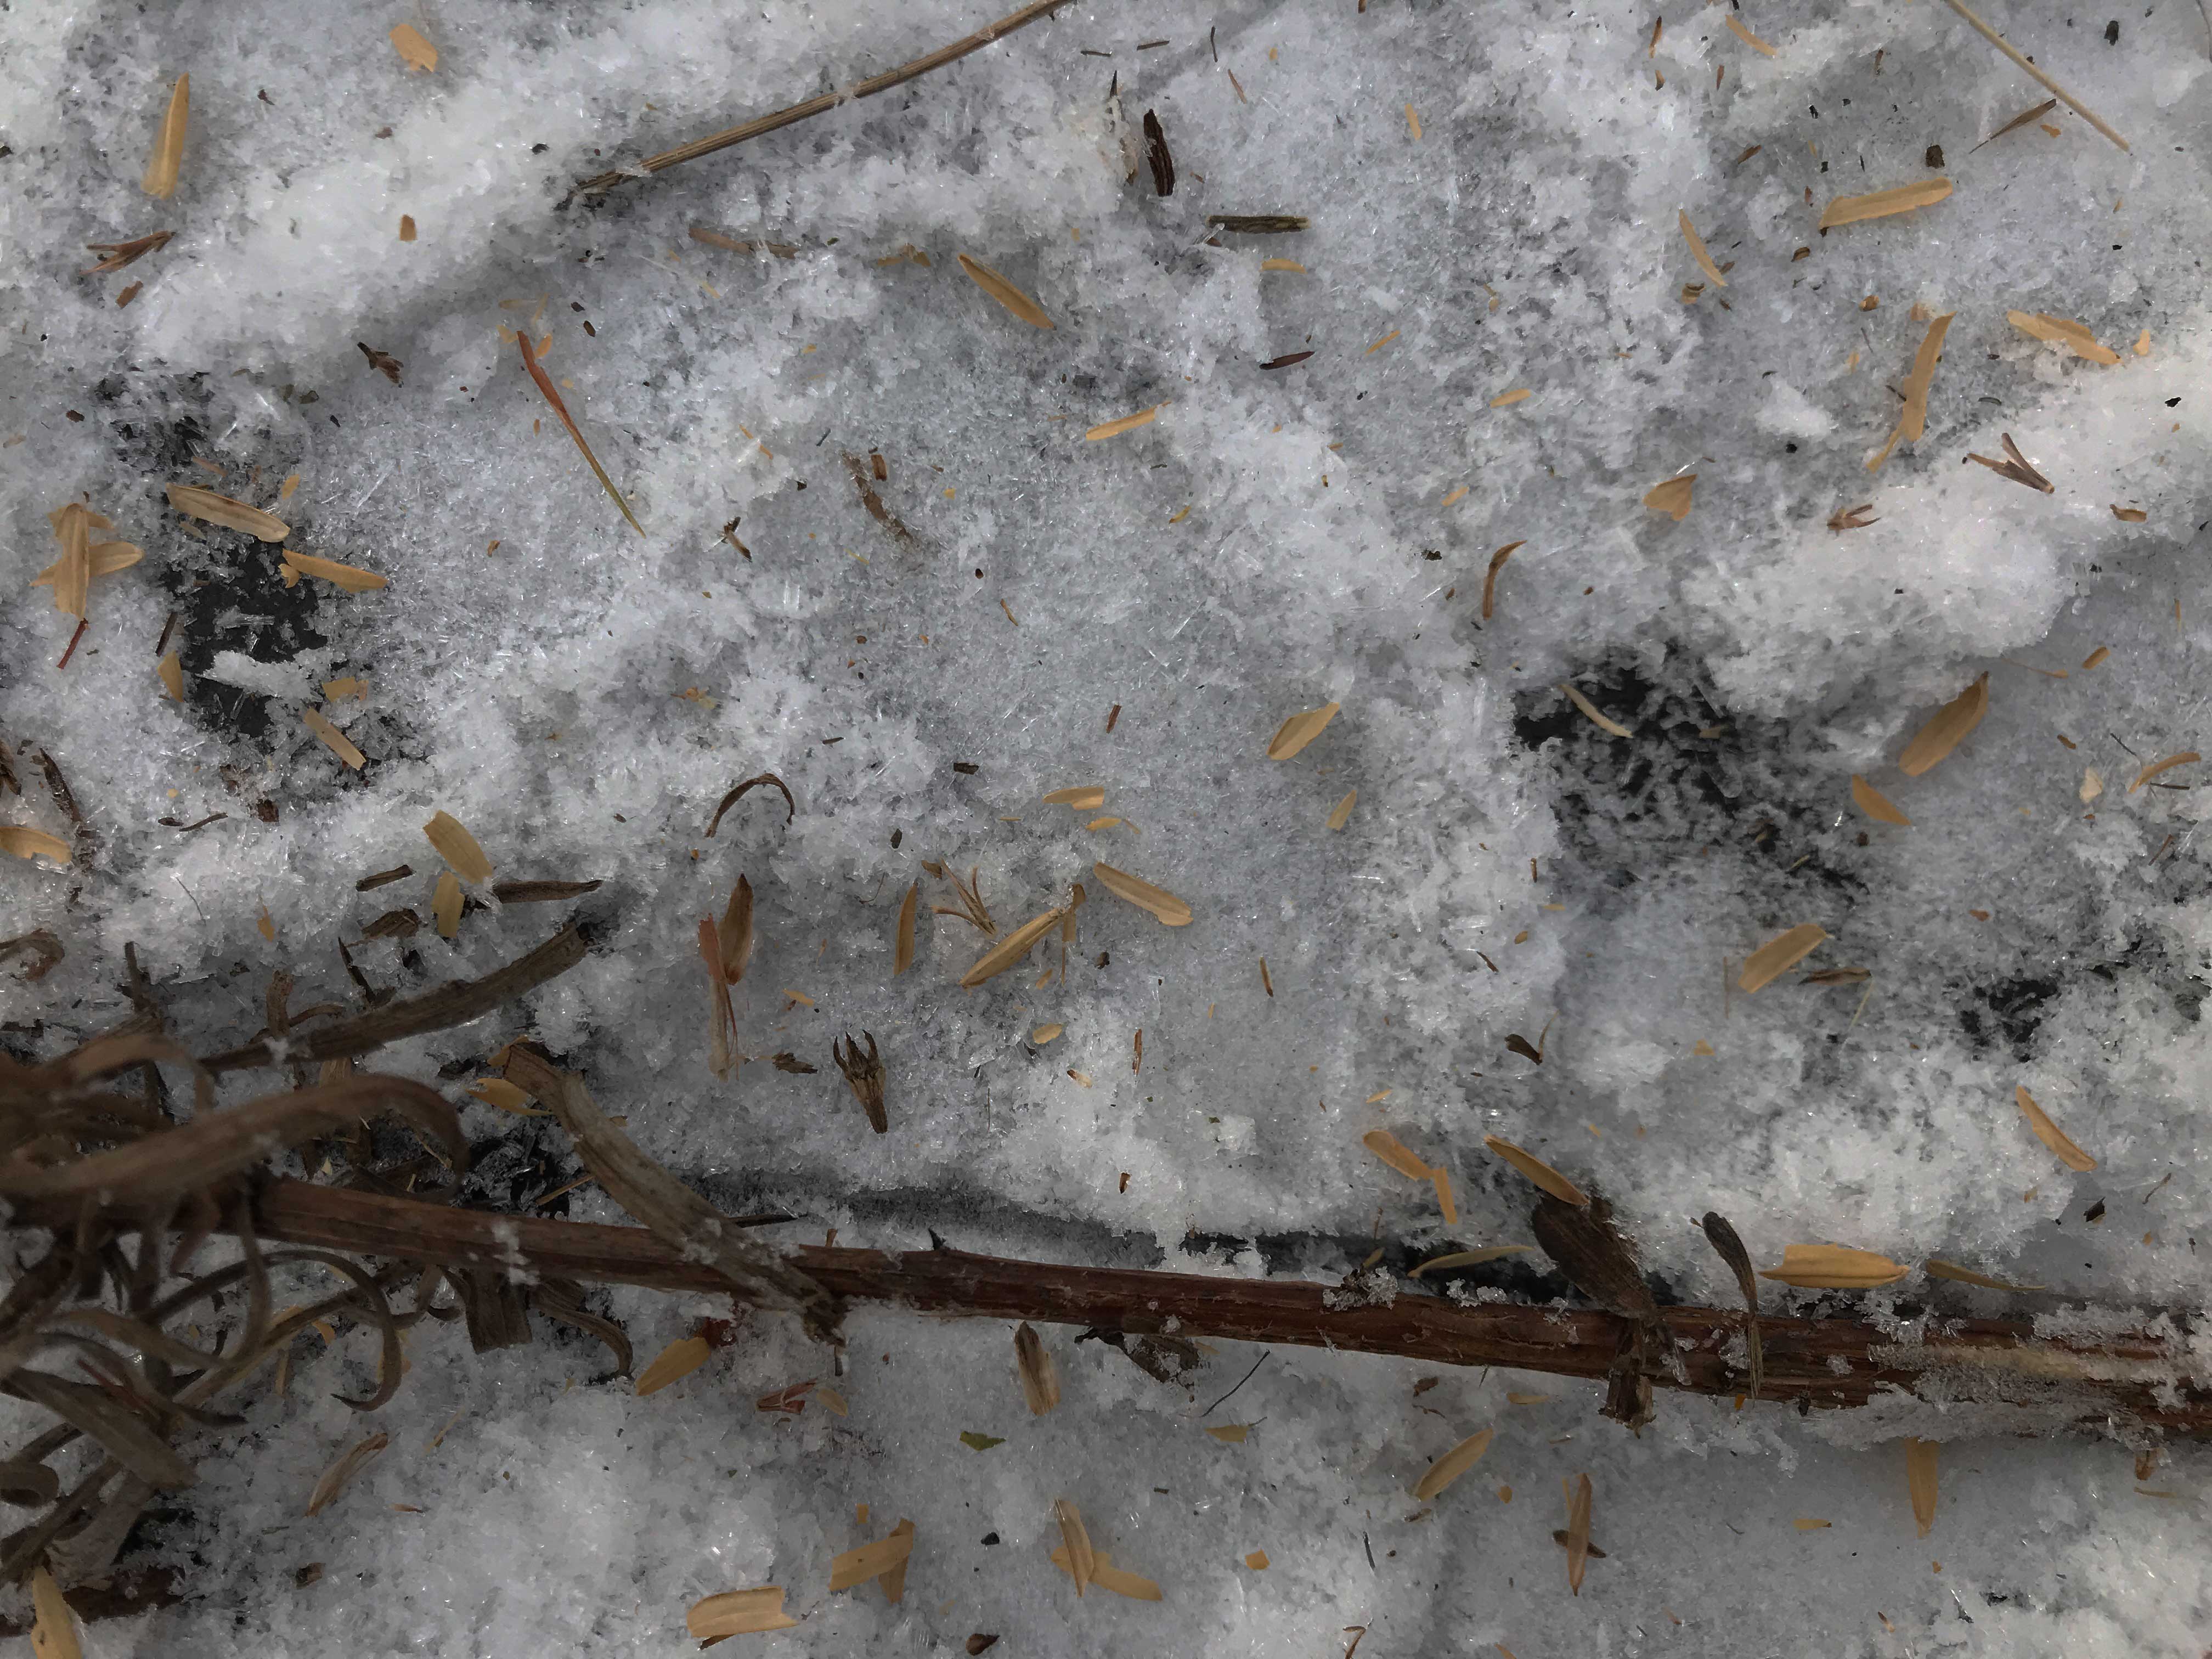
(2127,1382)
(2035,74)
(983,37)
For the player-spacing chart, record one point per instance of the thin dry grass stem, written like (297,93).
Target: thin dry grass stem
(552,395)
(2035,74)
(971,909)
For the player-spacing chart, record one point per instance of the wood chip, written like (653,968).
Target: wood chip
(1489,578)
(1876,805)
(1881,203)
(857,1566)
(1108,1576)
(172,676)
(2058,330)
(1340,814)
(1084,797)
(168,153)
(1299,730)
(1005,292)
(1935,1267)
(1698,250)
(902,950)
(1578,1524)
(1912,418)
(1946,730)
(458,849)
(1538,1171)
(197,503)
(2050,1134)
(1170,911)
(1589,709)
(1920,1478)
(2186,758)
(1395,1153)
(1011,949)
(739,1613)
(1468,1258)
(1127,423)
(1082,1562)
(53,1629)
(1453,1464)
(1834,1266)
(1779,955)
(1040,1375)
(340,1474)
(26,842)
(351,578)
(333,739)
(446,903)
(1672,497)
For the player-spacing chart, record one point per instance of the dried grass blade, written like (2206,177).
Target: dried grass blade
(1490,577)
(1108,1576)
(1947,729)
(1920,1478)
(673,1364)
(122,1433)
(1395,1153)
(552,396)
(2186,758)
(871,1560)
(1340,814)
(1881,203)
(737,932)
(1597,720)
(1579,1532)
(1127,423)
(1876,805)
(1299,730)
(1453,1464)
(1779,955)
(340,1474)
(1912,419)
(1698,253)
(1834,1266)
(1081,1562)
(458,847)
(2050,1134)
(1040,1375)
(1011,949)
(739,1613)
(1005,292)
(205,504)
(2020,120)
(2058,330)
(1170,911)
(1468,1258)
(350,577)
(333,739)
(1935,1268)
(168,153)
(902,950)
(1440,1179)
(53,1630)
(1538,1171)
(1082,797)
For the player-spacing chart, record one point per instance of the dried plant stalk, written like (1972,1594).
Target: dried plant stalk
(411,45)
(2186,758)
(1698,253)
(1779,955)
(2050,1134)
(1127,423)
(333,739)
(547,390)
(1004,293)
(458,847)
(1920,1478)
(1170,911)
(1876,805)
(1295,733)
(1834,1266)
(1578,1529)
(341,1473)
(739,1613)
(1912,418)
(2058,330)
(352,578)
(1946,730)
(1453,1464)
(1081,1562)
(1538,1171)
(1881,203)
(1490,577)
(857,1566)
(2035,74)
(169,154)
(205,504)
(1040,1375)
(903,950)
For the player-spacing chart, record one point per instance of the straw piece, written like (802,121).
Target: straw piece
(169,154)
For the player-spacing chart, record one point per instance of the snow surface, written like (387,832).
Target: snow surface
(580,697)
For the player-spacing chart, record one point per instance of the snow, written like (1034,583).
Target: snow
(580,697)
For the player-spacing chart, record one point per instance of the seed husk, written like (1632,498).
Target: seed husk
(411,45)
(1170,911)
(1935,1267)
(1538,1171)
(857,1566)
(1108,1576)
(1779,955)
(1040,1375)
(26,842)
(1005,292)
(458,847)
(2050,1134)
(1490,577)
(1881,203)
(1258,224)
(1597,720)
(1947,729)
(1127,423)
(1011,949)
(333,739)
(340,1474)
(1082,797)
(1673,497)
(1834,1266)
(172,671)
(2058,330)
(1395,1153)
(53,1632)
(1453,1464)
(739,1613)
(2020,120)
(1156,154)
(205,504)
(1081,1563)
(1920,1478)
(1342,813)
(2186,758)
(1912,418)
(1876,805)
(1299,730)
(352,578)
(902,950)
(1698,251)
(168,153)
(1578,1523)
(446,903)
(674,1363)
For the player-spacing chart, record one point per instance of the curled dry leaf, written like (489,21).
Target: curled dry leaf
(333,739)
(1011,949)
(1004,293)
(857,1566)
(1673,497)
(1912,417)
(410,44)
(1698,251)
(902,948)
(195,503)
(739,792)
(1490,577)
(1946,730)
(1935,1268)
(1299,730)
(1538,1171)
(351,578)
(1578,1531)
(1170,911)
(458,847)
(168,153)
(1876,805)
(340,1474)
(1453,1464)
(1468,1258)
(1834,1266)
(1081,1563)
(1108,1576)
(2050,1134)
(2058,330)
(739,1613)
(1590,710)
(1040,1375)
(2186,758)
(1920,1478)
(674,1363)
(26,842)
(1881,203)
(1779,955)
(1127,423)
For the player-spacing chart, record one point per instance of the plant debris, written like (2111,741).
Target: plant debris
(1166,908)
(26,842)
(552,396)
(781,250)
(673,1364)
(1779,955)
(541,892)
(458,847)
(342,1473)
(2187,757)
(120,254)
(168,153)
(205,504)
(2020,120)
(1590,710)
(1340,814)
(1083,798)
(1698,250)
(2058,330)
(1040,1375)
(1920,1478)
(857,1566)
(1912,418)
(1935,1267)
(738,794)
(1108,1576)
(1538,1171)
(1728,1247)
(354,580)
(411,45)
(1299,730)
(1578,1495)
(864,1075)
(1287,362)
(1876,805)
(70,575)
(1258,224)
(1081,1562)
(739,1613)
(382,361)
(1395,1153)
(1881,203)
(1947,729)
(902,948)
(1834,1266)
(1157,155)
(1127,423)
(333,739)
(1490,577)
(976,1440)
(2015,467)
(1673,497)
(863,482)
(1004,293)
(1851,517)
(1453,1464)
(2050,1135)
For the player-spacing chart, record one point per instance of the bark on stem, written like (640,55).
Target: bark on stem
(2127,1383)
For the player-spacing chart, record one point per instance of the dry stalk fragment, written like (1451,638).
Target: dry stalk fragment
(458,847)
(903,950)
(1004,293)
(1082,797)
(2058,330)
(1698,250)
(2033,73)
(2186,758)
(1453,1464)
(1578,1509)
(341,1473)
(552,396)
(1881,203)
(2050,1134)
(205,504)
(1876,805)
(169,154)
(1912,418)
(1834,1266)
(1040,1375)
(1538,1171)
(1673,497)
(2015,466)
(333,739)
(1127,423)
(739,1613)
(1920,1479)
(1299,730)
(1779,955)
(1166,908)
(351,578)
(1946,730)
(1490,577)
(1395,1153)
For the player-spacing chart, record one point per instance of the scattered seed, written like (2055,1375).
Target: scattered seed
(1779,955)
(1947,729)
(1170,911)
(1538,1171)
(169,154)
(1299,730)
(1834,1266)
(1876,805)
(1004,293)
(2050,1134)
